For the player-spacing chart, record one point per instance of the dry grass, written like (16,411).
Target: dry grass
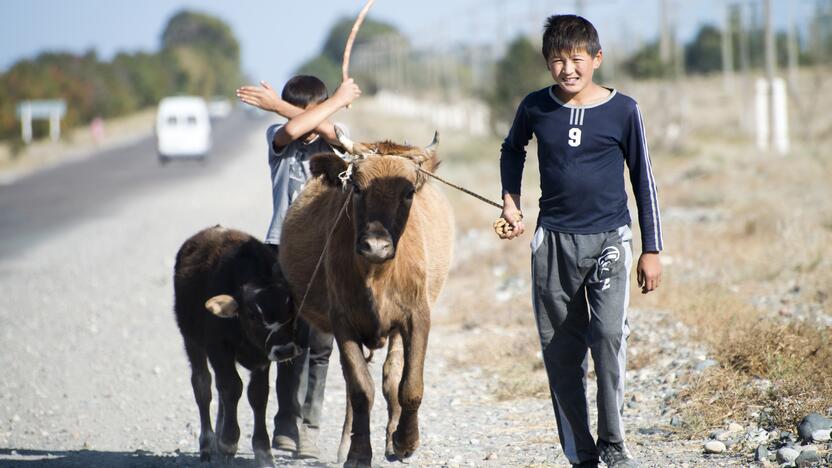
(752,281)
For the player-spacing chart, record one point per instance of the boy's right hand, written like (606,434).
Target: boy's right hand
(263,96)
(514,219)
(347,92)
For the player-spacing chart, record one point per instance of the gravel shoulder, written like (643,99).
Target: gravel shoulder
(94,373)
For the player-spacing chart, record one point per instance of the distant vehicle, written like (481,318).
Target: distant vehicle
(219,107)
(183,128)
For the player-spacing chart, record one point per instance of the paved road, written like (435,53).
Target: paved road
(31,209)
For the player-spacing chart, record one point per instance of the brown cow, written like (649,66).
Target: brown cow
(389,256)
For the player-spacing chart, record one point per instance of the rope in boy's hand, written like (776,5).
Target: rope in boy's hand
(503,228)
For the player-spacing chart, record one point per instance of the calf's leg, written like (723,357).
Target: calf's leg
(406,437)
(230,388)
(346,429)
(392,377)
(201,383)
(360,387)
(258,397)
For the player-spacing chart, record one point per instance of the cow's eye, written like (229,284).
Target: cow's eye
(409,194)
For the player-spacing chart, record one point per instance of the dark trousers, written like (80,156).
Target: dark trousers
(301,383)
(580,294)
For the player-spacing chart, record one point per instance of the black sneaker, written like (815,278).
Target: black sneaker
(586,464)
(616,455)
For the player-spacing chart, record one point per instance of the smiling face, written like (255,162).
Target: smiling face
(573,71)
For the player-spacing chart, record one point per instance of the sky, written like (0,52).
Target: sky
(278,35)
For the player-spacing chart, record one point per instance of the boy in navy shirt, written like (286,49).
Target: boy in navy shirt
(304,101)
(582,245)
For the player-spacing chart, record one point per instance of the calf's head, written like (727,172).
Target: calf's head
(384,179)
(266,314)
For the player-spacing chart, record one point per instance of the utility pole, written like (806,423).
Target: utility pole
(770,67)
(745,61)
(792,49)
(727,52)
(665,46)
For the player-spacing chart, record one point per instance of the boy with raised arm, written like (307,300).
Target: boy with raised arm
(305,103)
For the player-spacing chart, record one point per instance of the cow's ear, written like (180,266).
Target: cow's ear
(328,165)
(223,306)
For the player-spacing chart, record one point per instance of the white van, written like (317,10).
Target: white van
(183,128)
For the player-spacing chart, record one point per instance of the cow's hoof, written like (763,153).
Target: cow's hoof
(358,463)
(390,452)
(227,450)
(263,459)
(207,446)
(404,448)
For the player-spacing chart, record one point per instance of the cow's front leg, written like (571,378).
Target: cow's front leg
(360,387)
(346,430)
(393,366)
(230,388)
(258,398)
(415,341)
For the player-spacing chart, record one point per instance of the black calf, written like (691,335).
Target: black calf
(232,305)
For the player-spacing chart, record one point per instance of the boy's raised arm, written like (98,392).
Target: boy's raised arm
(265,97)
(310,119)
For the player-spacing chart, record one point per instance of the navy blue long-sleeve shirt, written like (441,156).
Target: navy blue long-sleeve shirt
(581,152)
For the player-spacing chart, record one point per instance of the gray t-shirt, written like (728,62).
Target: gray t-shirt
(290,171)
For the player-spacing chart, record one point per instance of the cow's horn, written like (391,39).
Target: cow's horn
(434,144)
(223,306)
(348,145)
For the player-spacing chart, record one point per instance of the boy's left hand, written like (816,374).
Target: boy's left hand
(649,271)
(263,96)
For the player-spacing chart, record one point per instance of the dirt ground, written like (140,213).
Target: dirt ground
(94,374)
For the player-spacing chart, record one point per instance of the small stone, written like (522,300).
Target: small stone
(490,456)
(715,446)
(722,436)
(822,435)
(787,455)
(761,453)
(676,421)
(806,458)
(734,427)
(811,423)
(705,364)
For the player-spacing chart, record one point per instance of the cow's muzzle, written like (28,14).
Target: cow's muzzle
(376,248)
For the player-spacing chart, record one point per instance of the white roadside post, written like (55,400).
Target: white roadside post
(779,117)
(25,111)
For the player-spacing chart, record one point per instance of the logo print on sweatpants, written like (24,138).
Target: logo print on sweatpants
(608,256)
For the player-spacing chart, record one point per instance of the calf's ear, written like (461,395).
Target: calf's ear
(328,165)
(223,306)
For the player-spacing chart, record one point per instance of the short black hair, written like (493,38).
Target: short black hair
(303,90)
(566,33)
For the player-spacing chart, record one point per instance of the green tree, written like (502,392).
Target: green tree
(205,51)
(704,53)
(199,55)
(646,63)
(327,64)
(520,71)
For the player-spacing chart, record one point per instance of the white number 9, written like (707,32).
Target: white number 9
(574,137)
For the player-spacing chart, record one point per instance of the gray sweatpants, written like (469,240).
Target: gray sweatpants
(580,293)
